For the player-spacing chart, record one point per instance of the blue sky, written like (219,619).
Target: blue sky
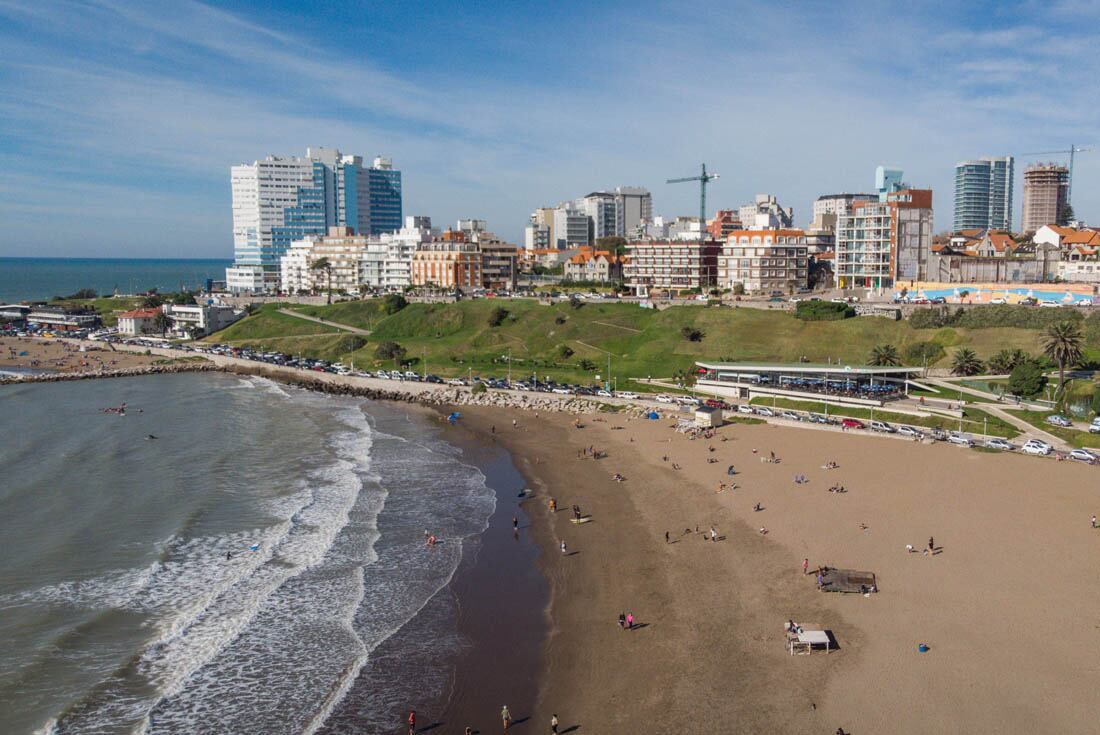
(121,120)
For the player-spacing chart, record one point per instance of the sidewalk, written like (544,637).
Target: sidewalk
(326,322)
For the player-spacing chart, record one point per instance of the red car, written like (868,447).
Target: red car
(852,424)
(715,403)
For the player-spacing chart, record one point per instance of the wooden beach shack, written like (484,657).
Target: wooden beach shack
(708,417)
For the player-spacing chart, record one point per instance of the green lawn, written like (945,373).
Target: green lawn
(456,338)
(108,307)
(972,423)
(1073,437)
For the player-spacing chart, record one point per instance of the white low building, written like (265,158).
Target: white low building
(193,320)
(244,279)
(139,321)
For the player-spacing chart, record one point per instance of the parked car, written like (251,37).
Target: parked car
(852,424)
(938,434)
(961,439)
(745,408)
(688,400)
(1037,447)
(763,411)
(1059,420)
(1094,427)
(627,394)
(791,415)
(452,381)
(662,398)
(999,301)
(883,427)
(605,394)
(1001,444)
(905,430)
(1050,304)
(715,403)
(1083,455)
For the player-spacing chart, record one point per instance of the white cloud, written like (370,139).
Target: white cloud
(135,97)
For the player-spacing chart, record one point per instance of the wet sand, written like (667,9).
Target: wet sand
(1007,604)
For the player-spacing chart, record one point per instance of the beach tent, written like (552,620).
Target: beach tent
(454,417)
(652,415)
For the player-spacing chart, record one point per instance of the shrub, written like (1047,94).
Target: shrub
(393,303)
(1028,380)
(565,351)
(560,319)
(1096,400)
(497,316)
(932,318)
(1006,361)
(586,364)
(389,351)
(478,388)
(738,289)
(923,353)
(691,334)
(822,311)
(349,343)
(1004,315)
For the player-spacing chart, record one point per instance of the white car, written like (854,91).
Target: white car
(662,398)
(1059,420)
(905,430)
(883,427)
(764,411)
(744,408)
(791,415)
(998,300)
(1037,447)
(1083,455)
(1001,444)
(605,394)
(628,395)
(688,400)
(961,439)
(1050,304)
(561,391)
(452,381)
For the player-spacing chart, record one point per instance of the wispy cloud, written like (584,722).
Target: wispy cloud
(140,108)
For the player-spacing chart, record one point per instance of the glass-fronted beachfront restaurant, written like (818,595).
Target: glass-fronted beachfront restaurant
(870,385)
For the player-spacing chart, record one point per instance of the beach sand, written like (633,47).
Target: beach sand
(64,357)
(1007,604)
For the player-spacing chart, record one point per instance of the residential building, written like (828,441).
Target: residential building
(354,262)
(400,248)
(571,228)
(821,234)
(499,259)
(450,262)
(199,320)
(1066,237)
(598,266)
(1080,264)
(671,265)
(838,204)
(994,258)
(1046,187)
(543,221)
(599,207)
(765,213)
(385,213)
(880,243)
(536,237)
(764,261)
(139,321)
(282,199)
(983,193)
(545,258)
(725,221)
(684,228)
(633,205)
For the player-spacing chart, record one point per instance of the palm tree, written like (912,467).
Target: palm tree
(1006,360)
(322,264)
(966,362)
(885,355)
(161,323)
(1062,344)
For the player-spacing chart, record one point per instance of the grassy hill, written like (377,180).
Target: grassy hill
(455,338)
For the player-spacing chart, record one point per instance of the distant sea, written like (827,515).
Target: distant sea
(26,279)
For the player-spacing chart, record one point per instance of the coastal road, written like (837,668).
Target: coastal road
(326,322)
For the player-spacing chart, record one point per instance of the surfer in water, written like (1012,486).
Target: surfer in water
(151,437)
(228,555)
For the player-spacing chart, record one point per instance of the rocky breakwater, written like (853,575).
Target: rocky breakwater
(436,395)
(181,367)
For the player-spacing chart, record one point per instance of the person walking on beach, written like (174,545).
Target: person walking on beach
(1093,525)
(820,581)
(622,621)
(412,721)
(563,547)
(805,566)
(931,546)
(505,716)
(630,621)
(713,534)
(554,724)
(515,523)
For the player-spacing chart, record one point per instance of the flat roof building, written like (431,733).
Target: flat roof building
(863,385)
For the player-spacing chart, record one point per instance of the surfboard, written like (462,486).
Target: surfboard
(580,520)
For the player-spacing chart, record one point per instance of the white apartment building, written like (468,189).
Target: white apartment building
(763,261)
(570,229)
(354,262)
(400,248)
(837,204)
(765,212)
(200,319)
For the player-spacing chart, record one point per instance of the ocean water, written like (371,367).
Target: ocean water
(27,279)
(131,599)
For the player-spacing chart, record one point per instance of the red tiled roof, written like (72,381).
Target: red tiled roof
(140,313)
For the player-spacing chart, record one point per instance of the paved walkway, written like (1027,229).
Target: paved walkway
(326,322)
(1028,430)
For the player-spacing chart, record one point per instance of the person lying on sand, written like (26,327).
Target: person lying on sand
(763,531)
